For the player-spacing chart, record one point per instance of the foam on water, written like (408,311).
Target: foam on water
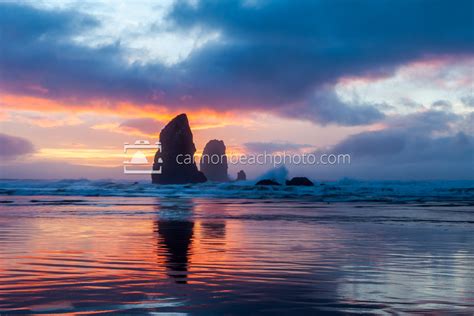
(345,190)
(276,174)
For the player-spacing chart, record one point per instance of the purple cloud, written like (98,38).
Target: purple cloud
(271,147)
(273,56)
(12,147)
(147,126)
(410,148)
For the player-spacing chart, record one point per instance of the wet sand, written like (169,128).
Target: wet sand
(207,256)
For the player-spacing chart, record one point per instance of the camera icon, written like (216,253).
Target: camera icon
(139,164)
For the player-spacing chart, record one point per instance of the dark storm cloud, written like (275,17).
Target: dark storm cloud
(281,50)
(326,107)
(400,147)
(272,55)
(401,156)
(38,57)
(12,146)
(409,135)
(411,148)
(22,23)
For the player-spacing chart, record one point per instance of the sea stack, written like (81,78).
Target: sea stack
(176,144)
(214,161)
(241,176)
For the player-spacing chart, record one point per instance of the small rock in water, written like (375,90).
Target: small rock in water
(267,182)
(241,176)
(300,181)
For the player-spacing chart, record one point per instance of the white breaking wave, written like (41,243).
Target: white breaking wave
(345,190)
(278,174)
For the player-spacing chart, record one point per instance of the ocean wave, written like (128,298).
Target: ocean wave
(346,190)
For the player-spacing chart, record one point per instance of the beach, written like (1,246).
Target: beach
(198,251)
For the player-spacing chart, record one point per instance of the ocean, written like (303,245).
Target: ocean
(80,247)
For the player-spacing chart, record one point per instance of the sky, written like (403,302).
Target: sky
(388,82)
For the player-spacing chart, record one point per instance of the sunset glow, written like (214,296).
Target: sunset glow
(95,79)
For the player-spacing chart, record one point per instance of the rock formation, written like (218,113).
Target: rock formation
(177,142)
(214,161)
(300,181)
(241,176)
(267,182)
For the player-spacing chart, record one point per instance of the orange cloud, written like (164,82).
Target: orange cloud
(102,115)
(83,156)
(200,119)
(44,120)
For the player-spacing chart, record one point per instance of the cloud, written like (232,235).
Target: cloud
(12,147)
(326,107)
(61,170)
(399,147)
(409,103)
(284,49)
(468,100)
(45,120)
(410,148)
(145,126)
(272,147)
(40,58)
(426,122)
(269,56)
(442,105)
(411,137)
(22,23)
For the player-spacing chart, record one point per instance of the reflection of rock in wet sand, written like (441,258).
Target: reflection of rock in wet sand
(175,234)
(176,237)
(213,230)
(175,230)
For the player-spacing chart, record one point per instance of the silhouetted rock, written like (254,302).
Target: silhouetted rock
(177,140)
(267,182)
(300,181)
(214,161)
(241,176)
